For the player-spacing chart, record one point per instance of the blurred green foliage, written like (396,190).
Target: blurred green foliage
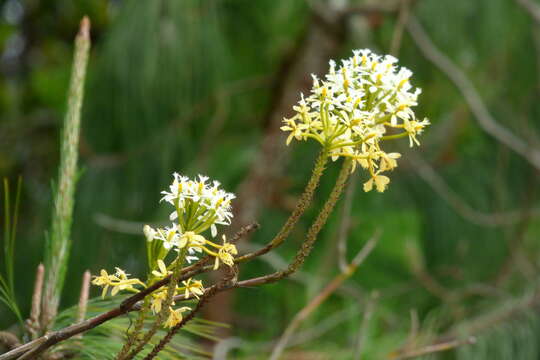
(185,85)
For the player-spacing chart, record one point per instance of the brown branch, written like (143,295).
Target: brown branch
(32,324)
(434,348)
(41,344)
(83,297)
(21,350)
(404,9)
(485,120)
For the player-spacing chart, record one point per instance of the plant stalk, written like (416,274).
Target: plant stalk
(59,242)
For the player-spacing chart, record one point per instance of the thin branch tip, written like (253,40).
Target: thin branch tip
(84,29)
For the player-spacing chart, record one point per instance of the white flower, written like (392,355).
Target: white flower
(199,204)
(169,235)
(364,101)
(149,232)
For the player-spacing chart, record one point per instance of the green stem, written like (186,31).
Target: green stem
(164,313)
(301,206)
(396,136)
(321,219)
(134,335)
(313,231)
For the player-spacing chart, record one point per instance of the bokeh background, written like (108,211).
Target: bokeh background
(201,87)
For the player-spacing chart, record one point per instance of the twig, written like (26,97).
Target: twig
(434,348)
(431,284)
(302,277)
(437,183)
(321,297)
(532,8)
(24,348)
(368,311)
(83,297)
(486,121)
(32,324)
(403,16)
(58,244)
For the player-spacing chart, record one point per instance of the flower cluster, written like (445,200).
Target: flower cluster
(366,100)
(198,206)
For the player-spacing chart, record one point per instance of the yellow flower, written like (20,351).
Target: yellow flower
(103,280)
(157,299)
(118,281)
(297,130)
(194,287)
(388,160)
(163,272)
(175,316)
(413,128)
(191,239)
(225,254)
(380,182)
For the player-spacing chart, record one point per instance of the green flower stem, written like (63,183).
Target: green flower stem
(396,136)
(134,335)
(321,219)
(164,313)
(59,243)
(313,231)
(301,206)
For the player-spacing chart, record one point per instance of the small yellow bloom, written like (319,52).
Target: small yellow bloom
(388,160)
(175,316)
(191,239)
(163,272)
(157,299)
(225,254)
(118,281)
(194,287)
(414,128)
(380,182)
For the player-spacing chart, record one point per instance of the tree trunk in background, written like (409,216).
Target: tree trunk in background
(321,41)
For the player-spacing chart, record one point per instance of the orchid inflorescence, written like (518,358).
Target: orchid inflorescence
(359,104)
(198,206)
(366,100)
